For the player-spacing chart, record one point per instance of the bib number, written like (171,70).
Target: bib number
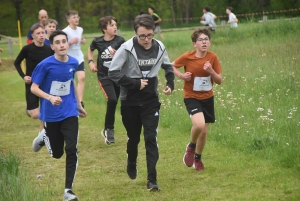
(202,84)
(60,88)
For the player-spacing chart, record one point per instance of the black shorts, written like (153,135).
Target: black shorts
(206,106)
(32,100)
(81,67)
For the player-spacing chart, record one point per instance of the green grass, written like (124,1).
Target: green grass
(253,150)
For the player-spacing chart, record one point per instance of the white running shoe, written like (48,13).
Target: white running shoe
(38,142)
(70,196)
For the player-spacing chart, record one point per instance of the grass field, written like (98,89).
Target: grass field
(252,152)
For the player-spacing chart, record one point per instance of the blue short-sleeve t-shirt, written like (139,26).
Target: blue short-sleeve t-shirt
(48,72)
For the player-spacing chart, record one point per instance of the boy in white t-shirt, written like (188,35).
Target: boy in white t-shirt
(208,18)
(75,40)
(232,18)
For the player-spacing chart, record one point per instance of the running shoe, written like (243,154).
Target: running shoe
(198,165)
(38,142)
(132,170)
(108,135)
(188,157)
(70,196)
(152,186)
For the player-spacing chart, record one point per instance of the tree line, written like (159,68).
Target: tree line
(173,12)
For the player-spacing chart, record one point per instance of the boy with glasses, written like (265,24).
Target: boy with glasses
(135,68)
(202,69)
(75,38)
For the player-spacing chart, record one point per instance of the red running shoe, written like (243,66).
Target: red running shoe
(188,157)
(198,165)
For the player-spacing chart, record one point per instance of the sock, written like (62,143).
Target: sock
(67,189)
(197,156)
(192,145)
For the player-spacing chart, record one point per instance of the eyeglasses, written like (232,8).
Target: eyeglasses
(143,37)
(203,39)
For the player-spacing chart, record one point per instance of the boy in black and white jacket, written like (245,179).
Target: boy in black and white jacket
(135,68)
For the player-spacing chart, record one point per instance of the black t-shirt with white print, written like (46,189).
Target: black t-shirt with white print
(104,57)
(146,57)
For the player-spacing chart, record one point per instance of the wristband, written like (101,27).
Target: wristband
(180,75)
(50,98)
(91,60)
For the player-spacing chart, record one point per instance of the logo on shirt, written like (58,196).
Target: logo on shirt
(70,70)
(106,54)
(147,62)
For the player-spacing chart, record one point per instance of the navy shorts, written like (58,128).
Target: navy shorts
(206,106)
(32,101)
(81,67)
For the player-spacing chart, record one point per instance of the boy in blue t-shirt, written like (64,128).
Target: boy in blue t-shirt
(53,82)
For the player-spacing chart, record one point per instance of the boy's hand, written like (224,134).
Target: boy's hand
(167,90)
(143,84)
(55,100)
(83,41)
(93,67)
(74,41)
(27,79)
(186,76)
(82,112)
(208,68)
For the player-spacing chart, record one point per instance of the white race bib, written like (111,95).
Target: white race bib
(202,84)
(60,88)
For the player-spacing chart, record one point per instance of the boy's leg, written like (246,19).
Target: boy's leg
(81,81)
(53,139)
(32,103)
(69,129)
(133,125)
(150,119)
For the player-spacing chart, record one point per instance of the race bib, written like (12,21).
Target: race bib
(202,84)
(60,88)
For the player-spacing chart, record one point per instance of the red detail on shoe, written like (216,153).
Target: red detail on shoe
(198,165)
(188,158)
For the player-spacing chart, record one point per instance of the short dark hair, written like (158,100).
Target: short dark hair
(152,9)
(229,8)
(71,12)
(104,21)
(36,26)
(143,20)
(56,33)
(199,31)
(207,8)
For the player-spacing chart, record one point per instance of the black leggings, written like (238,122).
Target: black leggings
(112,93)
(56,135)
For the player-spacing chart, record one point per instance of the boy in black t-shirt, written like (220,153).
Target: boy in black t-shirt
(156,20)
(33,53)
(106,46)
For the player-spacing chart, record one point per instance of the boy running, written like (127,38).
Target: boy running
(74,33)
(106,46)
(202,69)
(53,82)
(33,53)
(135,68)
(50,26)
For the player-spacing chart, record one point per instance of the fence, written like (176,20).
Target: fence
(10,42)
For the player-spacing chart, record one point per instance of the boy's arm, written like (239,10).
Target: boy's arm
(91,63)
(217,78)
(184,76)
(35,89)
(17,64)
(169,72)
(81,110)
(115,74)
(83,41)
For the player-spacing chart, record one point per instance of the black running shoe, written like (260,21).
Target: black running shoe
(132,170)
(152,186)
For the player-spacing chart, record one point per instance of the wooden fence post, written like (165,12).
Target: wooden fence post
(265,18)
(10,46)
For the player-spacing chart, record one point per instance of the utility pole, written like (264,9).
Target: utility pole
(69,5)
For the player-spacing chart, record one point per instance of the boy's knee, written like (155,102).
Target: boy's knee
(57,155)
